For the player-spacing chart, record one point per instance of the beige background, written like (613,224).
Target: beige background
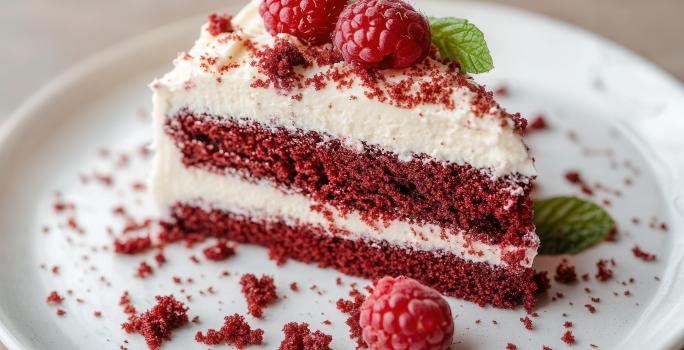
(41,38)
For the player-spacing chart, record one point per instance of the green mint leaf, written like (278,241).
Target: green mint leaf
(569,225)
(461,41)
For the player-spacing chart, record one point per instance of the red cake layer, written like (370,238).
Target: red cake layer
(373,181)
(481,283)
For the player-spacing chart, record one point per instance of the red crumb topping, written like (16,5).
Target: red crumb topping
(511,346)
(567,324)
(219,251)
(604,273)
(54,298)
(156,324)
(219,24)
(642,254)
(259,293)
(538,123)
(277,63)
(299,337)
(353,309)
(144,270)
(331,172)
(235,331)
(568,338)
(449,274)
(132,245)
(60,312)
(125,301)
(590,308)
(160,258)
(527,322)
(97,314)
(294,287)
(565,273)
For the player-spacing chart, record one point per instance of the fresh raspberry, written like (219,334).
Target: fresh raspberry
(382,33)
(311,21)
(401,313)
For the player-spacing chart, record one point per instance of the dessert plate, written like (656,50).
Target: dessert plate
(74,153)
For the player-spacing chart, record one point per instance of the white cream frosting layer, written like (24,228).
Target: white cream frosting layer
(173,182)
(450,135)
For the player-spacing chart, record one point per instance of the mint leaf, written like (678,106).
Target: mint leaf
(461,41)
(569,225)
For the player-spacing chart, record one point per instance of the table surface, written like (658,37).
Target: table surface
(41,38)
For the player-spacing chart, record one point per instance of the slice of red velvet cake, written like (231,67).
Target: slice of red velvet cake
(412,171)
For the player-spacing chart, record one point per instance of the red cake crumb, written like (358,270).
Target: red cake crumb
(160,258)
(565,273)
(568,338)
(353,309)
(235,331)
(259,293)
(502,91)
(132,245)
(144,270)
(220,251)
(219,24)
(60,312)
(278,63)
(54,298)
(546,348)
(527,322)
(156,324)
(327,322)
(300,337)
(294,287)
(511,346)
(590,308)
(567,324)
(642,254)
(97,314)
(604,273)
(538,123)
(125,301)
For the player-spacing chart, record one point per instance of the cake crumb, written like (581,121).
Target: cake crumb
(156,324)
(259,293)
(300,337)
(604,273)
(219,251)
(235,331)
(527,322)
(353,309)
(642,254)
(54,298)
(565,273)
(568,338)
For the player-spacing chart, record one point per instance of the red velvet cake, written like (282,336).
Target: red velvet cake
(415,171)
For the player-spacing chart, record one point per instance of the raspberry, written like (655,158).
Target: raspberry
(401,313)
(382,33)
(311,21)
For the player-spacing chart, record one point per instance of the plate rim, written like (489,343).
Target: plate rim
(86,66)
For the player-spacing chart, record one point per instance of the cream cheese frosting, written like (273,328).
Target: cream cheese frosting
(456,135)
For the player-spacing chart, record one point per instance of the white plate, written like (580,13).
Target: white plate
(621,108)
